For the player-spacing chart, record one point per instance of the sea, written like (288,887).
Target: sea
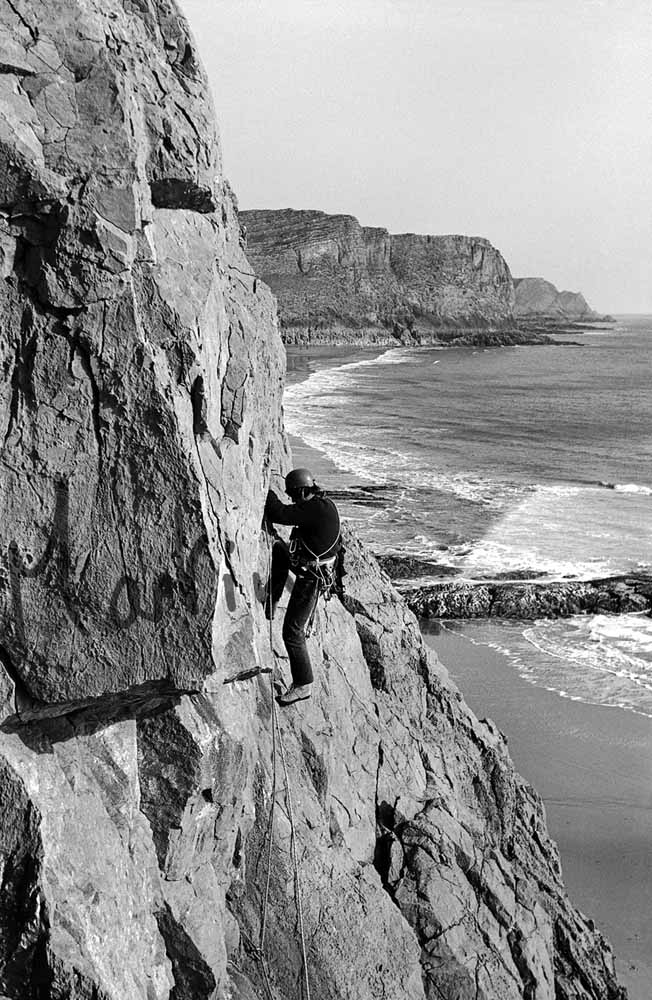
(512,462)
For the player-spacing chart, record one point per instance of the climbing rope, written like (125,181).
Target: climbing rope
(270,822)
(277,744)
(269,834)
(295,865)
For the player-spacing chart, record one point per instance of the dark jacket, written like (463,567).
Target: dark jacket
(316,523)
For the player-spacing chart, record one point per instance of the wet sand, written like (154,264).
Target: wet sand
(593,768)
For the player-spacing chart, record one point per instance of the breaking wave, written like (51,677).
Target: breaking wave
(628,488)
(598,660)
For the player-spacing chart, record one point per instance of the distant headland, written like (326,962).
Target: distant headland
(338,282)
(538,301)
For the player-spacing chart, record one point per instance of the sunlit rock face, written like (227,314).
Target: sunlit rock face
(337,281)
(132,344)
(140,416)
(140,413)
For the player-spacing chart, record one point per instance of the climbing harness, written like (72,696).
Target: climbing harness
(322,566)
(279,748)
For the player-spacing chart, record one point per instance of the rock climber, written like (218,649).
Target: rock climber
(311,555)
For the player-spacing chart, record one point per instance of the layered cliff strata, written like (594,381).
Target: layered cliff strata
(337,281)
(140,413)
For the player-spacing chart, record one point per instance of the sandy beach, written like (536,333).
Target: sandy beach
(593,768)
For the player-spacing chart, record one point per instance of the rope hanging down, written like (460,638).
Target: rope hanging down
(277,744)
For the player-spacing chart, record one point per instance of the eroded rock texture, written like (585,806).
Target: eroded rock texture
(141,424)
(530,599)
(130,342)
(337,281)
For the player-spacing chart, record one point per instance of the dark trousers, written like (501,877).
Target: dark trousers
(299,610)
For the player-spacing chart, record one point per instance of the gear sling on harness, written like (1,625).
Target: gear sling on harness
(322,567)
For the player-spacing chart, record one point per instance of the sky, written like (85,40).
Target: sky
(526,122)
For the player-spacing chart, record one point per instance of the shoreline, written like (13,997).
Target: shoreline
(529,332)
(592,766)
(305,339)
(589,763)
(303,360)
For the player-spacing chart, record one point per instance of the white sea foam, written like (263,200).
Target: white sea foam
(386,466)
(599,660)
(304,402)
(341,373)
(373,422)
(630,488)
(309,407)
(563,530)
(511,557)
(631,632)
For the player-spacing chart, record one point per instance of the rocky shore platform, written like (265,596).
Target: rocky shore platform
(548,328)
(513,596)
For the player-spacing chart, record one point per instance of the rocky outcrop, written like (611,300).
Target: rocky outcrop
(133,347)
(529,599)
(337,281)
(538,299)
(140,413)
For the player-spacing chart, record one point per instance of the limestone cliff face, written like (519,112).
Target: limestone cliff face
(140,413)
(536,298)
(338,281)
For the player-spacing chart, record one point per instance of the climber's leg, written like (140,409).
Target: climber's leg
(300,608)
(278,576)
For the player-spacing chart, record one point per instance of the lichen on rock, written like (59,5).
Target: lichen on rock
(140,413)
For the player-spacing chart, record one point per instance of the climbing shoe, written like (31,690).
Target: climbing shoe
(296,692)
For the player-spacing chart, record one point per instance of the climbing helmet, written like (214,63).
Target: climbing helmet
(298,479)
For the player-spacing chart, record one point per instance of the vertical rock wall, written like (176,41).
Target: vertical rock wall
(454,280)
(131,342)
(337,281)
(140,416)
